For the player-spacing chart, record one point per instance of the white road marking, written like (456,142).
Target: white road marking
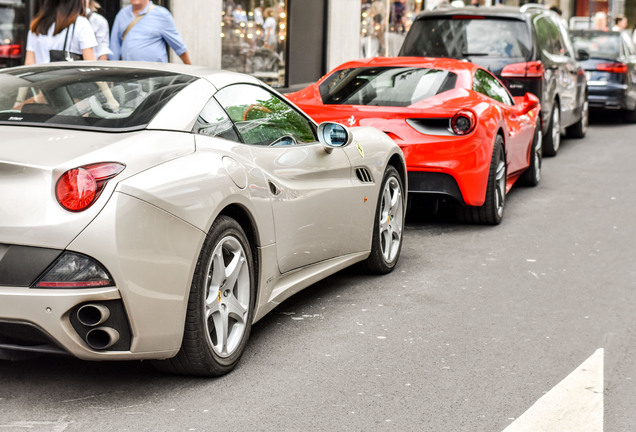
(573,405)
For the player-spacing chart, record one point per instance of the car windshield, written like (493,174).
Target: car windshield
(385,86)
(465,37)
(601,44)
(93,97)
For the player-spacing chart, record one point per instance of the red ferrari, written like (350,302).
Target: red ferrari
(462,133)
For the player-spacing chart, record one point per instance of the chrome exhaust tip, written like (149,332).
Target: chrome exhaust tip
(93,314)
(101,338)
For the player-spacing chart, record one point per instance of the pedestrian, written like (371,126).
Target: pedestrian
(270,28)
(60,25)
(140,32)
(100,27)
(600,21)
(620,23)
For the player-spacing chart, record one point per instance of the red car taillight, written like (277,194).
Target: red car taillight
(533,69)
(463,122)
(11,51)
(78,188)
(73,270)
(619,68)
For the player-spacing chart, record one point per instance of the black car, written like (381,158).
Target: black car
(610,70)
(13,32)
(527,48)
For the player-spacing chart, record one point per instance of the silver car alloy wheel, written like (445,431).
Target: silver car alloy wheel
(227,296)
(556,128)
(391,219)
(585,116)
(538,156)
(500,182)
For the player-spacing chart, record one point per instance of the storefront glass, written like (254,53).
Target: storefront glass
(254,38)
(384,25)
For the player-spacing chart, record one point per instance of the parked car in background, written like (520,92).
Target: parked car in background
(527,48)
(155,211)
(462,133)
(610,70)
(13,32)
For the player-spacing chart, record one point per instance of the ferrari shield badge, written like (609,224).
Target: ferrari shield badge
(360,150)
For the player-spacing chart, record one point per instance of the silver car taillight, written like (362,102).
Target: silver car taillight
(73,270)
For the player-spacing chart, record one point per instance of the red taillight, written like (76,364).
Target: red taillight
(463,122)
(619,68)
(11,51)
(533,69)
(78,188)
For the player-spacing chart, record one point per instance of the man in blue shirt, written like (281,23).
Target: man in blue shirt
(146,39)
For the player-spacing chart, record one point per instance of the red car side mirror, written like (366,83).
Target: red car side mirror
(529,103)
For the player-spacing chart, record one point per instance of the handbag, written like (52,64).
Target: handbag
(65,54)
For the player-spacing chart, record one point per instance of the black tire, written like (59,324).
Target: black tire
(579,129)
(552,139)
(492,211)
(629,116)
(216,302)
(532,175)
(388,226)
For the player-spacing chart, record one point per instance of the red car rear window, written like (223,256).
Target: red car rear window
(398,86)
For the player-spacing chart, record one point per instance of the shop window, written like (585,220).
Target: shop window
(254,38)
(384,25)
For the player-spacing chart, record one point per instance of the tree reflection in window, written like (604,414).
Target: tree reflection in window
(488,85)
(262,118)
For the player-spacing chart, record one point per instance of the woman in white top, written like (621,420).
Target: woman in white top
(100,27)
(55,21)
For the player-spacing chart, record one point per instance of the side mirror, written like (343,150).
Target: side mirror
(333,135)
(530,102)
(582,55)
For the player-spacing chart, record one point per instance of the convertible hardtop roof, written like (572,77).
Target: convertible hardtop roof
(507,12)
(218,78)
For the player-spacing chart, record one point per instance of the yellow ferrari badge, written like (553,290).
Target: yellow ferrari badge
(359,147)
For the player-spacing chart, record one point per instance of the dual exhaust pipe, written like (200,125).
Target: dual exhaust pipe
(99,337)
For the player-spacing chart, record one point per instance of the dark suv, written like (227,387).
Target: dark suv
(527,48)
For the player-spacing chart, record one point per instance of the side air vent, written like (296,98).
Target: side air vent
(364,175)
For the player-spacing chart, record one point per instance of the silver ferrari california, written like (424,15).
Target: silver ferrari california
(158,211)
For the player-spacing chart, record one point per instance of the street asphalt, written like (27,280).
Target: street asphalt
(472,328)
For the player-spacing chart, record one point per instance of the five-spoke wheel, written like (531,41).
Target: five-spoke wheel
(389,224)
(221,304)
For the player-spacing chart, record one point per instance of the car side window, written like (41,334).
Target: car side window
(549,37)
(564,39)
(486,84)
(262,118)
(214,122)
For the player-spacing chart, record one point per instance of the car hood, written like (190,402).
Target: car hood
(33,159)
